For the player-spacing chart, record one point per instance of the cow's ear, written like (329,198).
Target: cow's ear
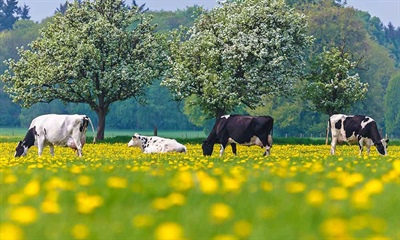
(387,140)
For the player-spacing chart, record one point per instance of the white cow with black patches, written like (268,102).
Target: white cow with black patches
(154,144)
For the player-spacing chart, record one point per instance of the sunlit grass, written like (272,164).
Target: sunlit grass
(115,192)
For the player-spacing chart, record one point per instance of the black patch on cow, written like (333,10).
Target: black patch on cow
(241,129)
(338,124)
(84,124)
(29,141)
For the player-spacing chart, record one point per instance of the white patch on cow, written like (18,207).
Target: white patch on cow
(225,116)
(363,124)
(253,141)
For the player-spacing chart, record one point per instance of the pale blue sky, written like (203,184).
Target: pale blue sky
(386,10)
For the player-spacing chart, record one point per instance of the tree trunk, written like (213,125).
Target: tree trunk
(101,116)
(219,113)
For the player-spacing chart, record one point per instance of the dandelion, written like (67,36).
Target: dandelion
(176,199)
(24,214)
(295,187)
(338,193)
(9,179)
(360,199)
(267,186)
(220,212)
(85,180)
(208,185)
(335,228)
(242,229)
(80,231)
(169,231)
(87,203)
(224,237)
(315,197)
(117,182)
(160,203)
(32,188)
(373,186)
(15,198)
(10,231)
(142,220)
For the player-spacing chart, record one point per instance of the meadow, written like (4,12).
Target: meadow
(116,192)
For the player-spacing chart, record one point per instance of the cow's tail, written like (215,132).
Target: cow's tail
(91,124)
(327,131)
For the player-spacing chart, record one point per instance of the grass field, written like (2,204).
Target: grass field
(116,192)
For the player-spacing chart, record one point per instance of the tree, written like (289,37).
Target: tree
(89,56)
(236,53)
(330,87)
(392,105)
(10,13)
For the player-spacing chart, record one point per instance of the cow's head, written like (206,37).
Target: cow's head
(382,146)
(207,148)
(136,141)
(21,149)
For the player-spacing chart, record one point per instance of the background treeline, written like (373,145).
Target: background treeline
(376,46)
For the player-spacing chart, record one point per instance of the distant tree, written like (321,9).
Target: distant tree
(236,53)
(10,12)
(331,87)
(88,56)
(62,8)
(392,105)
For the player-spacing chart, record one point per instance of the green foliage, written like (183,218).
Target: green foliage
(88,56)
(392,105)
(331,88)
(10,12)
(237,53)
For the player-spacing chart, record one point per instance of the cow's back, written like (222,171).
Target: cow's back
(57,128)
(237,126)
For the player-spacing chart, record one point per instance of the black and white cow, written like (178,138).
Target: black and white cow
(356,128)
(240,129)
(54,129)
(156,144)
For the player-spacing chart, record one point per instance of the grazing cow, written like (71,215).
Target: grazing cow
(239,129)
(155,144)
(53,129)
(362,129)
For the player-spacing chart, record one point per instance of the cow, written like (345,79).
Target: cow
(240,129)
(54,129)
(154,144)
(359,128)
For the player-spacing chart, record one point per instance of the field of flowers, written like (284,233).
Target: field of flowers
(116,192)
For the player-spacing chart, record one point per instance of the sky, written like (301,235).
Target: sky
(386,10)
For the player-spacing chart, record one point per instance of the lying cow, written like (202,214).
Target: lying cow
(53,129)
(239,129)
(155,144)
(361,129)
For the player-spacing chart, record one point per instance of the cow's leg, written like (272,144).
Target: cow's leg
(221,150)
(361,145)
(223,143)
(76,135)
(40,144)
(233,145)
(52,149)
(333,144)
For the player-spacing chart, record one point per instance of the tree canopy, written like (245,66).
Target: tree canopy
(236,53)
(10,12)
(392,104)
(331,88)
(88,56)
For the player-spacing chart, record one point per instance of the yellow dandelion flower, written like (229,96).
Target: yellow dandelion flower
(169,231)
(80,231)
(160,203)
(24,214)
(10,178)
(231,184)
(295,187)
(49,206)
(85,180)
(16,198)
(360,199)
(142,220)
(267,186)
(224,237)
(117,182)
(182,181)
(176,199)
(208,185)
(87,203)
(373,186)
(335,228)
(220,212)
(32,188)
(10,231)
(315,197)
(242,229)
(338,193)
